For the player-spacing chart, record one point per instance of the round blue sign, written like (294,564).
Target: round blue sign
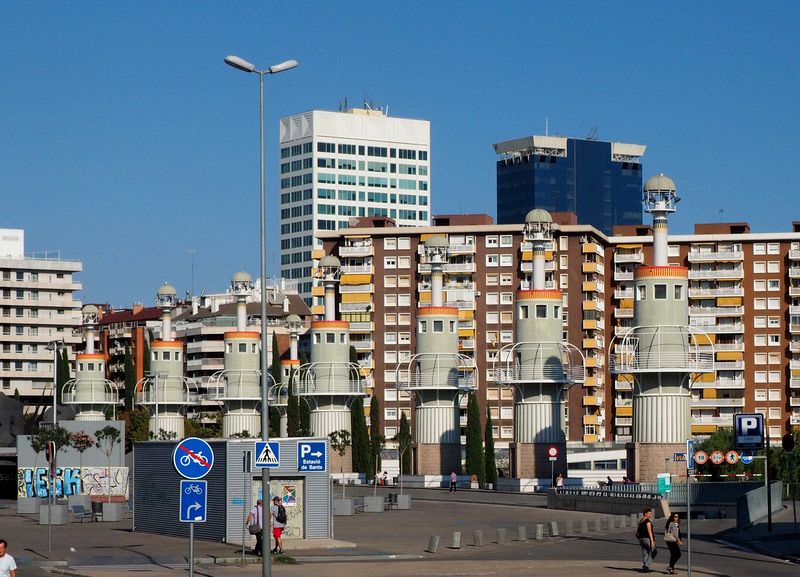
(746,459)
(193,458)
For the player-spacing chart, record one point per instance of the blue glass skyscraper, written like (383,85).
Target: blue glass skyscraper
(601,182)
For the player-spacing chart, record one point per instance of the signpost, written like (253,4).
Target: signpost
(268,454)
(748,433)
(664,483)
(247,468)
(193,459)
(552,454)
(311,456)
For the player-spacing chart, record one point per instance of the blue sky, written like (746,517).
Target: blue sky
(126,142)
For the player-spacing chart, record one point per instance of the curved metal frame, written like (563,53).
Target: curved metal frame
(571,373)
(629,360)
(111,394)
(304,380)
(218,385)
(145,394)
(466,366)
(278,395)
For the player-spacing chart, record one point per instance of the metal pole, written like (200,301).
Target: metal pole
(55,382)
(155,424)
(244,512)
(266,558)
(766,481)
(689,520)
(191,549)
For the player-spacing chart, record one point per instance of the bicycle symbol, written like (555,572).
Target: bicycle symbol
(193,489)
(197,457)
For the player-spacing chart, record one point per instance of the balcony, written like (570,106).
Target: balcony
(592,247)
(623,293)
(593,401)
(794,383)
(794,420)
(356,250)
(449,267)
(362,345)
(738,347)
(794,401)
(729,366)
(726,255)
(461,305)
(623,275)
(794,255)
(527,266)
(718,292)
(635,257)
(623,386)
(592,268)
(723,383)
(623,313)
(794,328)
(361,326)
(357,288)
(357,269)
(794,272)
(466,344)
(717,274)
(725,328)
(794,346)
(794,291)
(716,311)
(354,307)
(462,249)
(717,421)
(709,403)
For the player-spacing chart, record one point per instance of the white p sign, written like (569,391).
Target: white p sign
(748,430)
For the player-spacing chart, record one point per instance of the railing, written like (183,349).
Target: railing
(664,352)
(462,248)
(716,274)
(794,254)
(555,362)
(714,256)
(623,313)
(623,294)
(721,328)
(357,269)
(329,379)
(622,275)
(717,402)
(355,250)
(354,307)
(637,257)
(716,292)
(716,311)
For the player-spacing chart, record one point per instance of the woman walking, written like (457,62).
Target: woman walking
(672,537)
(644,533)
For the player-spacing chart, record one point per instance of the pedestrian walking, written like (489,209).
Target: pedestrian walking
(672,537)
(254,523)
(644,533)
(8,567)
(453,482)
(559,482)
(278,516)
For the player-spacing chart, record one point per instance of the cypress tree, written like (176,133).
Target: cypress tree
(130,380)
(275,366)
(376,439)
(62,372)
(304,409)
(474,442)
(404,445)
(293,426)
(148,336)
(488,451)
(360,438)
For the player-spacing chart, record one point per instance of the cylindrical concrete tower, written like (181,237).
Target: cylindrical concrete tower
(539,365)
(661,351)
(279,393)
(90,393)
(330,380)
(165,390)
(437,374)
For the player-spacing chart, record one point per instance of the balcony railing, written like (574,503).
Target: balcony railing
(794,255)
(623,294)
(716,292)
(623,313)
(715,274)
(715,256)
(701,403)
(636,257)
(622,275)
(716,311)
(462,248)
(357,269)
(667,348)
(356,250)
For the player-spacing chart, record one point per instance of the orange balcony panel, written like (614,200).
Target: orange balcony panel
(318,291)
(729,301)
(730,355)
(590,438)
(624,411)
(318,310)
(626,303)
(703,429)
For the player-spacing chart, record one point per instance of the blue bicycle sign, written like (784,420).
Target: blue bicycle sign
(193,458)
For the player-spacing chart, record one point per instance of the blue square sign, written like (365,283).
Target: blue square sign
(748,431)
(193,501)
(268,454)
(312,456)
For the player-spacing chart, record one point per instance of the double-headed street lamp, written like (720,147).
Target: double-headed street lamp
(244,65)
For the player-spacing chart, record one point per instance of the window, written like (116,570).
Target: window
(389,243)
(541,311)
(759,248)
(773,248)
(773,266)
(660,292)
(492,260)
(390,300)
(760,394)
(404,262)
(404,243)
(389,338)
(563,281)
(774,358)
(492,298)
(404,319)
(506,336)
(760,340)
(505,240)
(774,394)
(760,322)
(774,322)
(773,303)
(759,266)
(491,279)
(563,261)
(760,376)
(774,376)
(404,281)
(390,319)
(404,300)
(506,279)
(506,317)
(678,292)
(507,298)
(492,241)
(404,338)
(775,413)
(641,292)
(759,285)
(759,304)
(773,284)
(774,340)
(563,243)
(760,358)
(492,318)
(506,259)
(673,250)
(390,262)
(389,281)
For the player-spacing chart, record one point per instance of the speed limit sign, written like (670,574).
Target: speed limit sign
(717,457)
(701,457)
(552,452)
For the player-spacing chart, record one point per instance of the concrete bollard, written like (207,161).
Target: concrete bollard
(501,536)
(477,536)
(598,525)
(623,521)
(568,527)
(554,528)
(522,533)
(433,544)
(634,519)
(540,531)
(610,522)
(584,525)
(456,540)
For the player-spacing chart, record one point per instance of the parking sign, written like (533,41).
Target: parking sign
(748,431)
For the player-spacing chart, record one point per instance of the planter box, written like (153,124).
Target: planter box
(84,500)
(373,504)
(344,507)
(112,512)
(27,505)
(404,502)
(60,514)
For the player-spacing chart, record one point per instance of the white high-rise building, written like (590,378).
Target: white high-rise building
(337,166)
(37,307)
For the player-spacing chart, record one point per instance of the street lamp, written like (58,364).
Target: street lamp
(245,66)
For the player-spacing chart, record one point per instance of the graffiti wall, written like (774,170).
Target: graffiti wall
(32,482)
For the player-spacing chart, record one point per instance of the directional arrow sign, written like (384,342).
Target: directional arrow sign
(193,501)
(312,456)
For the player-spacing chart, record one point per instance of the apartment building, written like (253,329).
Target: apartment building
(37,307)
(744,290)
(336,166)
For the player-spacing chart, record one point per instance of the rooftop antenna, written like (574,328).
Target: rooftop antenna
(592,133)
(546,126)
(721,210)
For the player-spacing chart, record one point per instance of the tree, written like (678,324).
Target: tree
(148,336)
(359,438)
(81,442)
(488,451)
(62,372)
(340,440)
(275,366)
(404,448)
(376,439)
(274,421)
(108,438)
(293,425)
(130,380)
(304,409)
(137,426)
(58,435)
(474,442)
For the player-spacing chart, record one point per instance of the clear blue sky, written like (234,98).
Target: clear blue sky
(126,142)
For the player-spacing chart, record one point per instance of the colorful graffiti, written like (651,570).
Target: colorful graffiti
(33,482)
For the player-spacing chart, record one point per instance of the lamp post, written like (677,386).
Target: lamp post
(245,66)
(51,497)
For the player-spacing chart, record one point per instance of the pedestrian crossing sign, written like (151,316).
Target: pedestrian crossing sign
(268,454)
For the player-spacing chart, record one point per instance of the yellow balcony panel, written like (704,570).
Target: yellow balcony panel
(318,291)
(426,236)
(729,301)
(591,401)
(590,438)
(703,377)
(590,382)
(527,255)
(709,393)
(626,303)
(589,286)
(317,253)
(795,373)
(364,372)
(624,411)
(625,377)
(356,297)
(590,305)
(703,429)
(425,297)
(465,315)
(730,355)
(318,310)
(589,248)
(466,333)
(589,325)
(590,362)
(589,343)
(590,267)
(356,279)
(548,255)
(590,419)
(704,340)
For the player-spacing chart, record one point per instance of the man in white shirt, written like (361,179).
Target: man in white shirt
(8,568)
(256,517)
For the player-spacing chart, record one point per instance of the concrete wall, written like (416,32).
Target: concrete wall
(752,506)
(601,502)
